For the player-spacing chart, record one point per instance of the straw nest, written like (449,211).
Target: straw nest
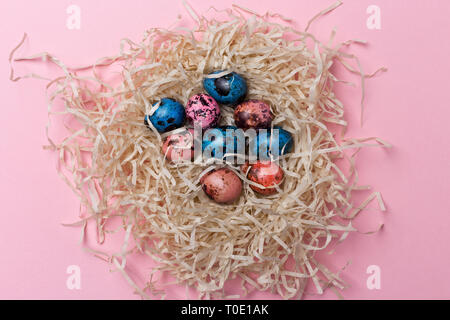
(114,163)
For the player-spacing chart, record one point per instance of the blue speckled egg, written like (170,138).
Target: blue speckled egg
(228,89)
(285,143)
(169,115)
(216,140)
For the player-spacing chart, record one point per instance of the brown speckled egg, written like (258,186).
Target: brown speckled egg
(222,185)
(179,146)
(265,173)
(253,114)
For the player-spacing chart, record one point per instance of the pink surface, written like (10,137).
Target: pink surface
(408,106)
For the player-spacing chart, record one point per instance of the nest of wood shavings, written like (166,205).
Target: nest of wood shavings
(267,241)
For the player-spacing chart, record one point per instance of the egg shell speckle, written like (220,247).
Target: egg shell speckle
(220,143)
(253,114)
(204,109)
(222,185)
(228,89)
(179,146)
(265,173)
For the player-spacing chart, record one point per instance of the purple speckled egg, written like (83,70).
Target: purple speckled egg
(202,108)
(222,185)
(253,114)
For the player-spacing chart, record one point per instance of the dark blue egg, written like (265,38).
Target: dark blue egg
(228,89)
(285,143)
(215,140)
(169,115)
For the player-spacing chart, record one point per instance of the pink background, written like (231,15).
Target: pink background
(408,106)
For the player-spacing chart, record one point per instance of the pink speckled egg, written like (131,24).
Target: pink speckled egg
(222,185)
(253,114)
(202,108)
(179,146)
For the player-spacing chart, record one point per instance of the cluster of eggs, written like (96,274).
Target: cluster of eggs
(222,185)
